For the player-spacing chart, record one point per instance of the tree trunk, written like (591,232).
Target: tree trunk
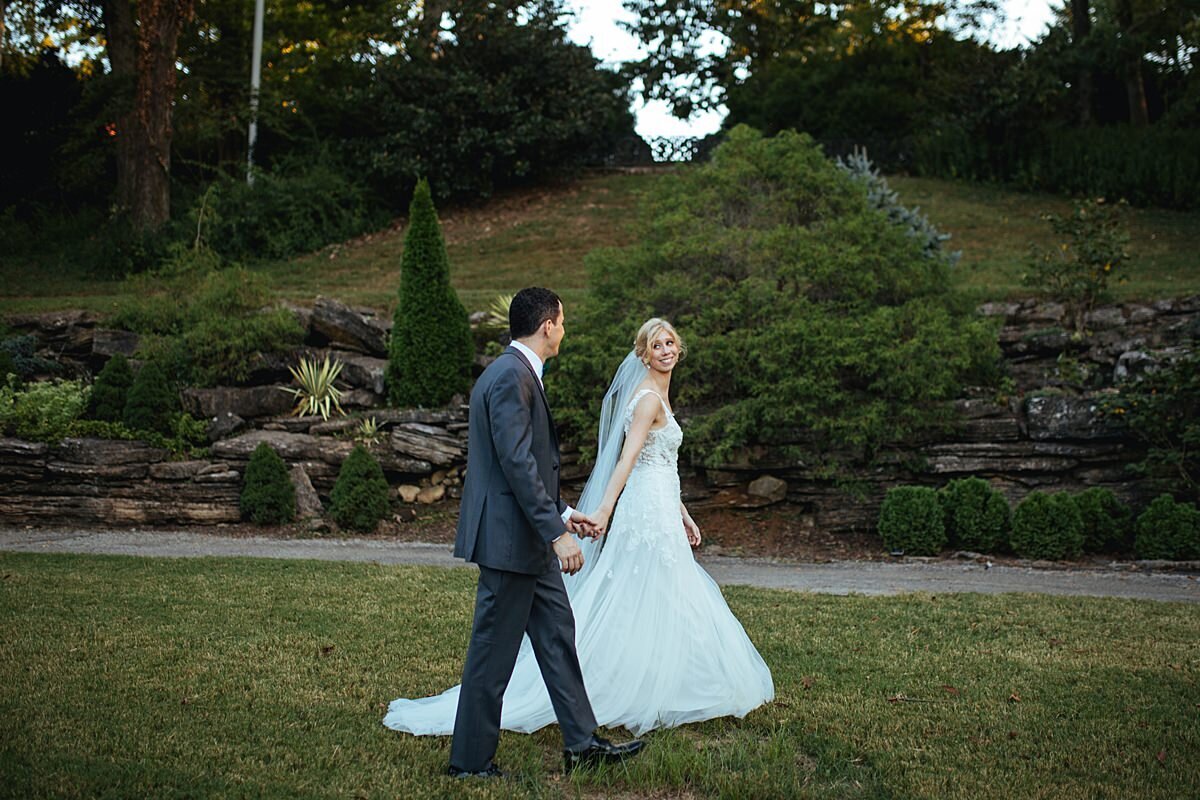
(1081,28)
(121,44)
(1131,66)
(142,53)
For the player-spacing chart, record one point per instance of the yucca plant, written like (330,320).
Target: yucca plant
(317,394)
(367,432)
(498,311)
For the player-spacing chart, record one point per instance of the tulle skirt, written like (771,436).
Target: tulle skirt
(657,643)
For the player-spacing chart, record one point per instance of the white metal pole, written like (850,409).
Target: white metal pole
(255,82)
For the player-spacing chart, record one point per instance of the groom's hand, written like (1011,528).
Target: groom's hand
(570,557)
(584,525)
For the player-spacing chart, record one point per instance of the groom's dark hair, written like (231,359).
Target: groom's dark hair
(529,309)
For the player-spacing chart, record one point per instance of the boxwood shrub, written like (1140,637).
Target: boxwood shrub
(1167,529)
(910,521)
(976,516)
(1047,526)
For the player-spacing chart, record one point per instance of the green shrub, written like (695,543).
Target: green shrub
(360,496)
(110,390)
(910,521)
(1047,526)
(42,411)
(1162,408)
(812,320)
(1167,529)
(431,350)
(23,358)
(207,326)
(976,516)
(294,208)
(1089,254)
(1106,520)
(268,497)
(152,403)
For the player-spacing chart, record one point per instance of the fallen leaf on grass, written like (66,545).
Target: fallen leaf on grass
(807,681)
(1162,756)
(951,689)
(1014,698)
(1012,734)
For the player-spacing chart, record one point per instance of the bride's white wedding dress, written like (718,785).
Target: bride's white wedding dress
(657,643)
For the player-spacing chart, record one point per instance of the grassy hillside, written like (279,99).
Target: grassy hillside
(540,236)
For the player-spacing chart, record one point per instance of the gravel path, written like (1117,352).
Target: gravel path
(846,577)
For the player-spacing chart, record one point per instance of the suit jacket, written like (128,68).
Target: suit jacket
(511,510)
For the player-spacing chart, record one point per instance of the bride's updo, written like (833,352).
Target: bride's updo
(649,331)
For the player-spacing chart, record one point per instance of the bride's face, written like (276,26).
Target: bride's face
(663,353)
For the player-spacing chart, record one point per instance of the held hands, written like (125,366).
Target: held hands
(570,557)
(585,525)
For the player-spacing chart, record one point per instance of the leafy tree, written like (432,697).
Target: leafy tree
(360,495)
(268,497)
(507,100)
(110,390)
(431,350)
(812,319)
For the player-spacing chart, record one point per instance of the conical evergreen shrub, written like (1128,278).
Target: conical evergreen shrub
(110,391)
(268,497)
(431,350)
(151,403)
(360,495)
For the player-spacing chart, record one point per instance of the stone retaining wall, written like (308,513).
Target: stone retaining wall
(1051,434)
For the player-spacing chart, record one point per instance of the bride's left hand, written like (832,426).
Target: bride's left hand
(693,531)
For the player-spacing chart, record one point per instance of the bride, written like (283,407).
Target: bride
(657,643)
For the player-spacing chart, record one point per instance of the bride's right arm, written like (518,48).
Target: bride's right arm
(639,428)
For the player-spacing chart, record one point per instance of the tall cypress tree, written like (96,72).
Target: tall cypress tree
(431,350)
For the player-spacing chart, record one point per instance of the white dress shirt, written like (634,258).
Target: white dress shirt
(538,366)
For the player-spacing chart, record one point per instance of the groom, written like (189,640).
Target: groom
(514,526)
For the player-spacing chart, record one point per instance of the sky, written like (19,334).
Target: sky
(596,25)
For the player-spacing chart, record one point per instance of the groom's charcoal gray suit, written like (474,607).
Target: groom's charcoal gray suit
(510,513)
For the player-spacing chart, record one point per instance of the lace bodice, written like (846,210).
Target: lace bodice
(662,445)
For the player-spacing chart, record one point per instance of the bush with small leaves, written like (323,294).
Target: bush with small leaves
(43,411)
(151,403)
(1106,520)
(976,516)
(1168,530)
(360,496)
(910,521)
(268,497)
(1047,526)
(110,391)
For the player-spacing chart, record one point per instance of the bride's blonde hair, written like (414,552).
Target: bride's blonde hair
(649,331)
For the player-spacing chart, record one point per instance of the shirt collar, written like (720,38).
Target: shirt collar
(531,357)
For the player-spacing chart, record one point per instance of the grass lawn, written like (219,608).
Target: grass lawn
(540,236)
(993,228)
(131,677)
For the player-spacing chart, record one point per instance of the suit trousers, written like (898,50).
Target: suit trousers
(507,605)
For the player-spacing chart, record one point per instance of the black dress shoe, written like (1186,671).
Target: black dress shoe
(490,771)
(601,751)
